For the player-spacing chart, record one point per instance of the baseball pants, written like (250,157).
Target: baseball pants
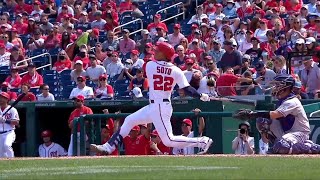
(6,141)
(70,148)
(159,113)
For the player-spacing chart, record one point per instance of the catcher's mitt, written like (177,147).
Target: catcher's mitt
(243,114)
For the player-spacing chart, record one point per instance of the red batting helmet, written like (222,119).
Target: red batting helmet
(5,95)
(165,48)
(46,133)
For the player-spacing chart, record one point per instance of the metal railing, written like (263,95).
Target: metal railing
(34,57)
(169,7)
(131,22)
(95,122)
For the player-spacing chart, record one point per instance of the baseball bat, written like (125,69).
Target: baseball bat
(14,103)
(242,101)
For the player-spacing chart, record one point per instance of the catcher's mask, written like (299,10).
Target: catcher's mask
(281,83)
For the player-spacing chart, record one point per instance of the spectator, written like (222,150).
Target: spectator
(108,60)
(4,56)
(243,144)
(115,67)
(261,32)
(80,109)
(299,49)
(156,23)
(216,52)
(31,26)
(208,84)
(32,78)
(29,95)
(14,79)
(143,43)
(310,76)
(298,92)
(296,32)
(36,9)
(136,144)
(45,95)
(4,22)
(98,23)
(182,95)
(126,5)
(255,52)
(230,10)
(176,36)
(188,73)
(100,55)
(179,60)
(65,24)
(196,49)
(111,41)
(139,81)
(280,65)
(21,26)
(64,11)
(63,62)
(50,149)
(49,9)
(104,90)
(46,27)
(226,82)
(65,40)
(52,41)
(126,44)
(264,76)
(83,56)
(136,63)
(158,145)
(246,44)
(246,88)
(95,70)
(5,87)
(13,38)
(83,22)
(81,89)
(312,47)
(36,41)
(5,39)
(246,63)
(111,24)
(231,58)
(78,71)
(218,13)
(197,18)
(136,12)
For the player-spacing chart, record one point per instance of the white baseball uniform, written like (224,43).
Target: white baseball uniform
(7,134)
(162,77)
(53,150)
(186,150)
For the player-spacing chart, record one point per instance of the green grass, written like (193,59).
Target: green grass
(195,167)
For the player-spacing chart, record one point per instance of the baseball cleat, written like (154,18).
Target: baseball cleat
(98,149)
(206,148)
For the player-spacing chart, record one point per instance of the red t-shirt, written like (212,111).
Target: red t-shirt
(154,25)
(208,9)
(110,27)
(85,61)
(15,83)
(125,6)
(13,95)
(33,81)
(26,7)
(244,12)
(113,5)
(79,112)
(225,85)
(29,97)
(164,149)
(22,28)
(198,53)
(60,66)
(136,146)
(287,4)
(61,15)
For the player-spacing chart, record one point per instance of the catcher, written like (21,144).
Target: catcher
(288,125)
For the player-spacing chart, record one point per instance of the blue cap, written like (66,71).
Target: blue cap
(260,65)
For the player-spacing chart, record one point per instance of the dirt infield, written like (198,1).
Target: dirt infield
(159,156)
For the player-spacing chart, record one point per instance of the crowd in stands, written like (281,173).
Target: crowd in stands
(224,47)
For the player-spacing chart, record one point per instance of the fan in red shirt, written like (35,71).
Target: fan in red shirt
(80,110)
(33,78)
(63,62)
(293,6)
(273,4)
(112,11)
(5,88)
(162,149)
(21,7)
(111,23)
(136,144)
(64,13)
(196,49)
(125,6)
(226,83)
(83,56)
(109,2)
(14,79)
(156,22)
(209,7)
(21,26)
(29,95)
(245,10)
(194,27)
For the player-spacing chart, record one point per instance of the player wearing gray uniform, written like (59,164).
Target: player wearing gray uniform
(288,125)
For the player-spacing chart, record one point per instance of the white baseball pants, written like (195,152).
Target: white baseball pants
(159,113)
(6,141)
(70,148)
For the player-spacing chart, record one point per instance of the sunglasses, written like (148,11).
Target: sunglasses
(103,79)
(80,80)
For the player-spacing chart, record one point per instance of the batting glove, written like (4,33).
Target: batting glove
(204,97)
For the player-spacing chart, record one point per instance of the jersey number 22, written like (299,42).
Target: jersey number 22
(162,83)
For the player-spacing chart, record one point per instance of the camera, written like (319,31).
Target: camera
(243,131)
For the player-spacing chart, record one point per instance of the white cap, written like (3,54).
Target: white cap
(234,42)
(145,31)
(195,40)
(79,62)
(162,39)
(300,41)
(137,92)
(310,40)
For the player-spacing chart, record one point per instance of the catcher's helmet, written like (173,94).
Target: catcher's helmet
(165,48)
(46,133)
(281,82)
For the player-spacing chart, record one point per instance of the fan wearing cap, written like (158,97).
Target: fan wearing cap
(230,10)
(5,88)
(32,78)
(231,58)
(8,122)
(80,109)
(104,90)
(22,7)
(36,41)
(157,146)
(163,77)
(217,14)
(136,143)
(263,75)
(36,8)
(313,46)
(156,23)
(95,70)
(115,67)
(14,79)
(199,16)
(298,91)
(81,89)
(20,25)
(98,22)
(83,57)
(110,3)
(144,42)
(243,144)
(87,37)
(126,44)
(139,81)
(197,48)
(136,12)
(310,76)
(49,148)
(176,36)
(77,71)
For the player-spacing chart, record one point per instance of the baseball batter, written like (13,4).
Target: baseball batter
(288,124)
(8,122)
(49,148)
(162,76)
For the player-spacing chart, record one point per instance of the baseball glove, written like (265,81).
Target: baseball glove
(243,114)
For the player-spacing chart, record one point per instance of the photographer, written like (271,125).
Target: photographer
(243,143)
